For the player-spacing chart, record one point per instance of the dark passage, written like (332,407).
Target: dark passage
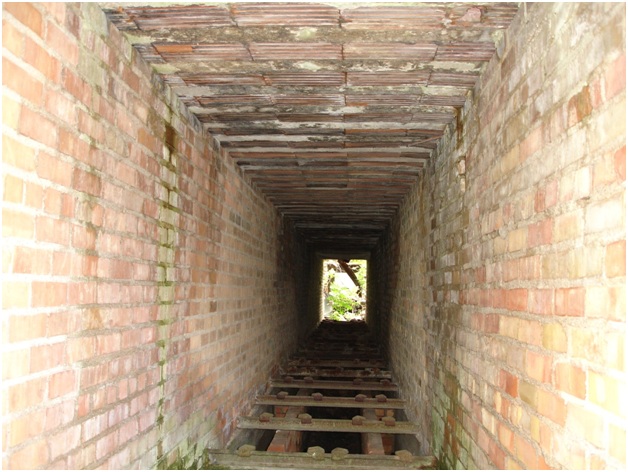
(334,405)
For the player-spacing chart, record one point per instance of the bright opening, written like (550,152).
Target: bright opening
(344,289)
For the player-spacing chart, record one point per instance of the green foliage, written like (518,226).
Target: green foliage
(346,302)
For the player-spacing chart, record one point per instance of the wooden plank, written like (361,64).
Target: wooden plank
(350,373)
(303,460)
(334,385)
(333,402)
(328,425)
(337,363)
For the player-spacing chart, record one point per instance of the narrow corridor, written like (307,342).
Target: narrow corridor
(174,176)
(333,406)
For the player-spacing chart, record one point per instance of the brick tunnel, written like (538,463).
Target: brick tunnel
(174,176)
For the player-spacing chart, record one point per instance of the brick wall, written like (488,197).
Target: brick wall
(505,315)
(148,289)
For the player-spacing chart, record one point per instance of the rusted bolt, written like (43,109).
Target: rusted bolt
(381,398)
(317,396)
(356,361)
(265,417)
(404,455)
(316,452)
(281,395)
(308,380)
(357,420)
(246,450)
(389,421)
(305,418)
(288,379)
(385,382)
(339,453)
(357,381)
(360,397)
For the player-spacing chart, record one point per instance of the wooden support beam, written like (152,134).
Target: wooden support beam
(360,363)
(334,385)
(372,443)
(329,425)
(330,402)
(303,460)
(288,441)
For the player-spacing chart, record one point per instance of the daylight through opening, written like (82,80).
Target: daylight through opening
(344,289)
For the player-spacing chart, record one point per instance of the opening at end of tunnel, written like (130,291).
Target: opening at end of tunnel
(344,289)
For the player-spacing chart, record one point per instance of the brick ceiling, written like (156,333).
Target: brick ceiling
(331,109)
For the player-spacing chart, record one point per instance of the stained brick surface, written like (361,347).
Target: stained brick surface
(530,231)
(148,289)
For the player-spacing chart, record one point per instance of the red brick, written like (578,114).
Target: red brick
(33,195)
(26,394)
(52,230)
(21,82)
(36,56)
(87,182)
(10,119)
(61,384)
(12,39)
(77,87)
(540,233)
(541,301)
(38,127)
(46,357)
(26,427)
(526,452)
(606,302)
(620,163)
(569,301)
(615,77)
(17,224)
(552,407)
(26,14)
(570,379)
(49,294)
(33,456)
(509,383)
(62,44)
(538,366)
(532,143)
(13,189)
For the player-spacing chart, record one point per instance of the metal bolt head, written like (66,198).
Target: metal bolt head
(357,381)
(317,396)
(339,453)
(281,395)
(305,418)
(265,417)
(357,420)
(404,455)
(381,398)
(308,380)
(360,397)
(385,382)
(389,421)
(316,452)
(246,450)
(288,379)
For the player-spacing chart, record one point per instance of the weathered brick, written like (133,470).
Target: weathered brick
(26,14)
(615,259)
(569,301)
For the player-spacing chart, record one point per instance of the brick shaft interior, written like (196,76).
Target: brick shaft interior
(152,284)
